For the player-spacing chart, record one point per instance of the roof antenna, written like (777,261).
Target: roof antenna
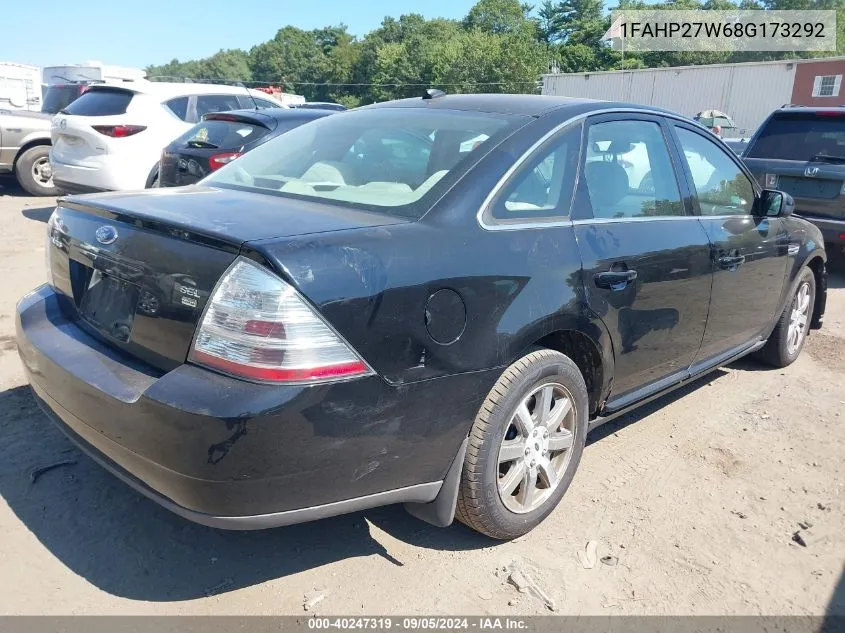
(433,93)
(249,94)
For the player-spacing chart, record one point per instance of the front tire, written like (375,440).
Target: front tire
(524,446)
(790,333)
(34,173)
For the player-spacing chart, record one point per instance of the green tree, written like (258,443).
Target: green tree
(499,17)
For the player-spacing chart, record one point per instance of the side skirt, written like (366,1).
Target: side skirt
(602,419)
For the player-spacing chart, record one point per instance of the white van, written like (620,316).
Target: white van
(20,87)
(90,72)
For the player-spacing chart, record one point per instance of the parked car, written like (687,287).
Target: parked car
(319,105)
(59,96)
(111,137)
(359,327)
(737,145)
(801,150)
(222,137)
(25,149)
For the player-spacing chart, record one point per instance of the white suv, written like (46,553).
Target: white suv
(111,137)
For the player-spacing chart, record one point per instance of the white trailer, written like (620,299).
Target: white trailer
(90,71)
(20,87)
(748,92)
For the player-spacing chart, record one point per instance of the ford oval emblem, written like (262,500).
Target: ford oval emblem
(106,234)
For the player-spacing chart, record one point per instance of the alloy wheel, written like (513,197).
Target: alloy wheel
(798,319)
(535,450)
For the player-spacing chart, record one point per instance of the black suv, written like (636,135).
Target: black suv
(801,150)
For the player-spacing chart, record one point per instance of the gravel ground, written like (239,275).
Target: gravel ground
(695,498)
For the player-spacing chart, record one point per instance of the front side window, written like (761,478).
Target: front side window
(392,160)
(721,186)
(628,171)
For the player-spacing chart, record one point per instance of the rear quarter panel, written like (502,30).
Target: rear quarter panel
(373,286)
(17,131)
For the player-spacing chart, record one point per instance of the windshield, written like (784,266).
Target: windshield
(59,97)
(801,137)
(385,159)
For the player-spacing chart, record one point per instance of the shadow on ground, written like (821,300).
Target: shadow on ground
(836,606)
(10,187)
(128,546)
(643,411)
(836,270)
(39,214)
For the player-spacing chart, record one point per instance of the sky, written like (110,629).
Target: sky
(138,33)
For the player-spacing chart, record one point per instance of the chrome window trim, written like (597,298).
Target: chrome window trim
(564,220)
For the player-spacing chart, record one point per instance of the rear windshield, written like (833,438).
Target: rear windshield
(800,137)
(59,97)
(100,102)
(221,134)
(392,160)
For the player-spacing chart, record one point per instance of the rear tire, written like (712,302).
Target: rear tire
(34,173)
(521,458)
(790,333)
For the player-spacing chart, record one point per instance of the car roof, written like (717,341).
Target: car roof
(800,108)
(516,104)
(168,90)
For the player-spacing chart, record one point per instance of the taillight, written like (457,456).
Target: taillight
(218,160)
(258,327)
(119,131)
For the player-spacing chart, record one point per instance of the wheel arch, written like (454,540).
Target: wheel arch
(593,356)
(29,145)
(817,264)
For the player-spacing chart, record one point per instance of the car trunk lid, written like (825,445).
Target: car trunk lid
(805,149)
(817,187)
(137,269)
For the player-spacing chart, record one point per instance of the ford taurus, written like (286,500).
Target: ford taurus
(429,302)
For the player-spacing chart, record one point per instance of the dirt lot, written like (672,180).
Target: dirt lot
(696,497)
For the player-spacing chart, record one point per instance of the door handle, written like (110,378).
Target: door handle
(615,280)
(731,263)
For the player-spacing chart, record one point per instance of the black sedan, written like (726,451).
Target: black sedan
(429,301)
(223,136)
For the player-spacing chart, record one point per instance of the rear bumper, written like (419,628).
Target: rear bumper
(113,173)
(238,455)
(74,188)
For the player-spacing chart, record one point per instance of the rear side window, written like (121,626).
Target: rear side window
(262,104)
(542,190)
(801,136)
(179,107)
(216,103)
(628,171)
(100,103)
(221,134)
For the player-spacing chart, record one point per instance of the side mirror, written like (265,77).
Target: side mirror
(776,204)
